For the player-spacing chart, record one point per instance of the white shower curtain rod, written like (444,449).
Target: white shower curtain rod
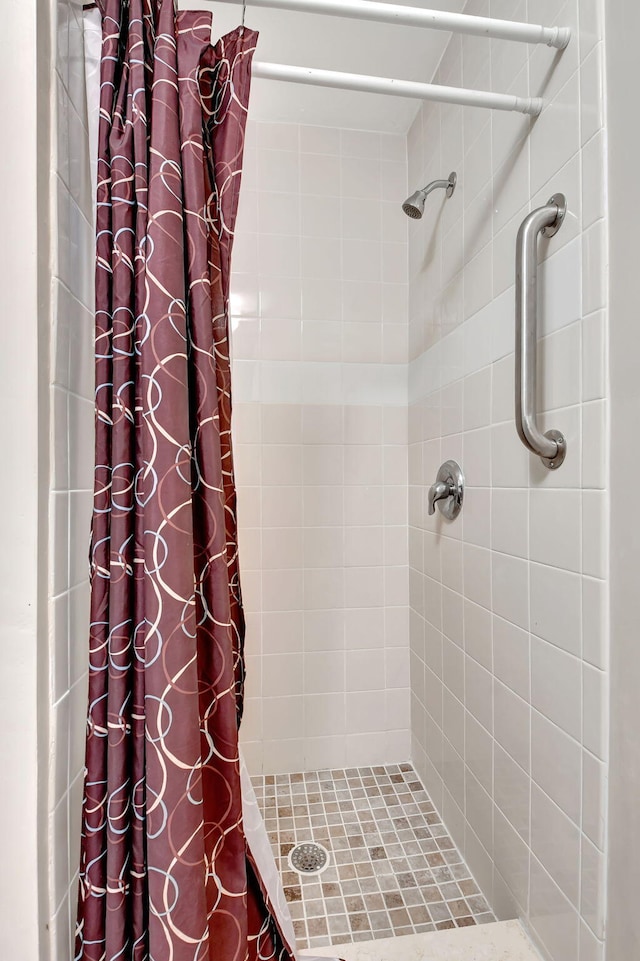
(417,17)
(397,88)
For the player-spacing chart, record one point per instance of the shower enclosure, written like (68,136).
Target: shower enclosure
(369,350)
(427,700)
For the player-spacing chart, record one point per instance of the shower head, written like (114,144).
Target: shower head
(414,205)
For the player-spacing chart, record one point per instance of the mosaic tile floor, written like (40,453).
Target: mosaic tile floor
(393,868)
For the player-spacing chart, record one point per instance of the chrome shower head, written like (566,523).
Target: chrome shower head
(414,205)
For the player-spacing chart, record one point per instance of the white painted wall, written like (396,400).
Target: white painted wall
(24,253)
(319,298)
(509,604)
(623,931)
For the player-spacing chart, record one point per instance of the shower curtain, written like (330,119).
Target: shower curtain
(175,863)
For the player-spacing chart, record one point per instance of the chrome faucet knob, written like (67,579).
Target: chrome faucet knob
(437,492)
(448,491)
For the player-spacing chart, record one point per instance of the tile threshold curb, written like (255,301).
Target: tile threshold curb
(497,941)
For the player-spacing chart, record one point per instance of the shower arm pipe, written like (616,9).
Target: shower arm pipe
(432,19)
(551,447)
(397,88)
(435,185)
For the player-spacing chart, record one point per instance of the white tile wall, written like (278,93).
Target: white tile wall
(71,483)
(319,303)
(501,618)
(509,603)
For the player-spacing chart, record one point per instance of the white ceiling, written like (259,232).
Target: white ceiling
(335,43)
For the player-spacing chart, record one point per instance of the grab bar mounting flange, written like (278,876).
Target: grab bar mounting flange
(559,201)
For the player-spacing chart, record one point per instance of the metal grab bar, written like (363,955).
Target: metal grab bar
(551,446)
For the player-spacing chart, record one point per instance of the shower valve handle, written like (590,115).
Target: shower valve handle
(448,491)
(438,492)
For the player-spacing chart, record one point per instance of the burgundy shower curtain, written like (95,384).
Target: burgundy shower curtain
(166,872)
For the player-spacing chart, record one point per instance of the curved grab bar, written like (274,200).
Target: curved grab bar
(551,447)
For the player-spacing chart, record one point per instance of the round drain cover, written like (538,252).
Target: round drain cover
(309,858)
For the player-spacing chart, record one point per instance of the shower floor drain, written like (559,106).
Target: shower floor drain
(309,858)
